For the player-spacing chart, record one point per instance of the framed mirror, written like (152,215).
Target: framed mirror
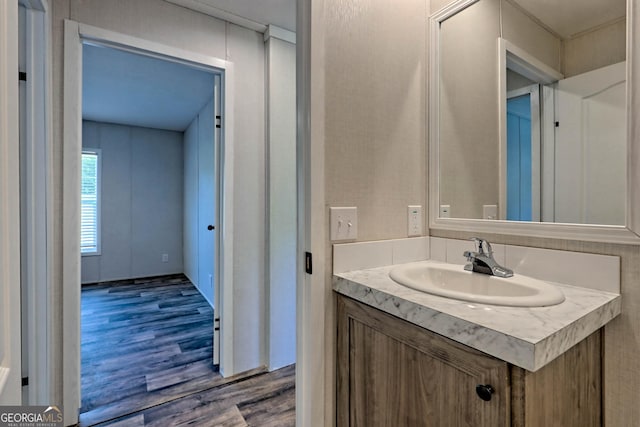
(530,123)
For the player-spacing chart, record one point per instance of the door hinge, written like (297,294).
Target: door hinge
(218,122)
(22,76)
(25,381)
(308,262)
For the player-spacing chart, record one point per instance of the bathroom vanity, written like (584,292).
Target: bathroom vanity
(408,358)
(394,373)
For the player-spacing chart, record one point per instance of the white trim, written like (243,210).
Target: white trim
(315,375)
(10,345)
(279,33)
(450,9)
(633,109)
(37,189)
(71,165)
(525,64)
(548,157)
(220,14)
(75,35)
(583,232)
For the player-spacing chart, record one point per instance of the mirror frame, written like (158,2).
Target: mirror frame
(628,234)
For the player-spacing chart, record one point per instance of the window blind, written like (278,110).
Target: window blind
(89,236)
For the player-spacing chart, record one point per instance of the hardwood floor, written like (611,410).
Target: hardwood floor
(147,360)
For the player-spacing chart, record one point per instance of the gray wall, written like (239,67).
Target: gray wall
(141,202)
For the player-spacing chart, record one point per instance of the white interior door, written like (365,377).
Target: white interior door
(209,181)
(591,151)
(217,132)
(206,201)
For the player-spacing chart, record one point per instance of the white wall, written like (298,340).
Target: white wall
(141,202)
(281,146)
(195,266)
(246,50)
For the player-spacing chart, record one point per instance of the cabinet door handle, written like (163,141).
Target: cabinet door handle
(484,391)
(210,227)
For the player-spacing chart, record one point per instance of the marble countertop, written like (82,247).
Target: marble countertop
(526,337)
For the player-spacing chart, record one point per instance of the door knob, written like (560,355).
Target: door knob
(484,391)
(210,227)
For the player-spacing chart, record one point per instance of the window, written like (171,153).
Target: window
(90,200)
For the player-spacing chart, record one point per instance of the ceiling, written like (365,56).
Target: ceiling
(126,88)
(137,90)
(570,17)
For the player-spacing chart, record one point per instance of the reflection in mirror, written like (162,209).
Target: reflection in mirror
(532,117)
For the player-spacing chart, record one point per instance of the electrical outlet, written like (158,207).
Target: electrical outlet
(344,223)
(165,257)
(414,220)
(490,211)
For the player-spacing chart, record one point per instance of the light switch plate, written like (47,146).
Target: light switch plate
(344,223)
(414,220)
(445,211)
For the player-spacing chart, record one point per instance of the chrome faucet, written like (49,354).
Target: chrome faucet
(482,260)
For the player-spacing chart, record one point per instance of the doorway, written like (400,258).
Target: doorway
(77,36)
(523,154)
(149,197)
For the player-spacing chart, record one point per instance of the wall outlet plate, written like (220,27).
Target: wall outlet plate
(490,211)
(344,223)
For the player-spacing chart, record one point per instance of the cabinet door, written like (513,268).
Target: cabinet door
(393,373)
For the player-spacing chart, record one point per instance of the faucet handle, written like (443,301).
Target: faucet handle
(483,246)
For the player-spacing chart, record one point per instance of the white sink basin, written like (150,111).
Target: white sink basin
(452,281)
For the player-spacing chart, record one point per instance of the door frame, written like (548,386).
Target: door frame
(10,344)
(534,101)
(36,238)
(75,35)
(315,324)
(517,59)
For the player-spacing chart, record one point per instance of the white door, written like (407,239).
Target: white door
(208,196)
(591,147)
(206,201)
(217,132)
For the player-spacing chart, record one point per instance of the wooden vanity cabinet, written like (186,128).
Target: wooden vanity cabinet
(393,373)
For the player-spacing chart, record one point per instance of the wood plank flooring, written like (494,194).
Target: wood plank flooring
(147,358)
